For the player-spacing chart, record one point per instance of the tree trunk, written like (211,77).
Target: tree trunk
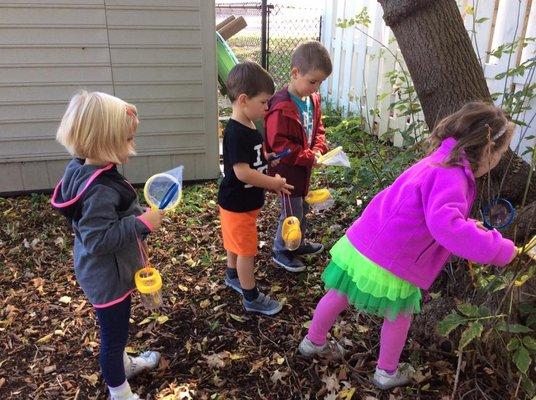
(446,74)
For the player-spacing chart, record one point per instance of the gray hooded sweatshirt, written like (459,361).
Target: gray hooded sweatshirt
(104,213)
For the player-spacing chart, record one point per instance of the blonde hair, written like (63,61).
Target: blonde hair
(97,125)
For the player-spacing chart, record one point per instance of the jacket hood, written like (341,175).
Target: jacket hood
(76,179)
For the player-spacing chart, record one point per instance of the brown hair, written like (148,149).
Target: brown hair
(248,78)
(473,126)
(311,56)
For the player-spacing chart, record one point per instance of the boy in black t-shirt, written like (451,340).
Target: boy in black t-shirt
(241,194)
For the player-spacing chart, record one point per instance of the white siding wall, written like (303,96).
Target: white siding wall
(158,54)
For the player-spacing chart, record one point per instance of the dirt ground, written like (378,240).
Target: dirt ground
(211,348)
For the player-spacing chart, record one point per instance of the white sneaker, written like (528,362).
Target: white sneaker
(146,361)
(401,377)
(309,349)
(133,396)
(122,392)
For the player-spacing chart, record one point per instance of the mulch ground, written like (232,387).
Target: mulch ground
(211,348)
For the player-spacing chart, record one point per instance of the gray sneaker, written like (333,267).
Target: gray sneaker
(263,305)
(146,361)
(233,283)
(329,349)
(287,260)
(309,249)
(401,377)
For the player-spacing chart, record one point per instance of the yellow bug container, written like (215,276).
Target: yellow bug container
(149,284)
(291,233)
(319,199)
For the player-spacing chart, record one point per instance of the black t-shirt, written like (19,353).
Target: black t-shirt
(241,144)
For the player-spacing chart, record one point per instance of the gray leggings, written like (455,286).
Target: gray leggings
(299,209)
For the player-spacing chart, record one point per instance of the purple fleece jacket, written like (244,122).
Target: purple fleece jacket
(412,227)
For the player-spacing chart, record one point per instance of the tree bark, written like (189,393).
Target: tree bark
(446,74)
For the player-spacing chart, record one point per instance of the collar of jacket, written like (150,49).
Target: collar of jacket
(445,148)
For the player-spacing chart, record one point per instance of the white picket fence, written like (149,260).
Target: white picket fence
(361,61)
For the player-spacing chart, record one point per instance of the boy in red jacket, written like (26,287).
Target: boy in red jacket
(294,122)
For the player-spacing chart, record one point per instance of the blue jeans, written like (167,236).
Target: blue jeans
(299,209)
(113,327)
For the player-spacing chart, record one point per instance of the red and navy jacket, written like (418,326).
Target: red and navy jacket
(284,130)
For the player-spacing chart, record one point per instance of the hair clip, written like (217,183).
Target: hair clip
(500,133)
(131,112)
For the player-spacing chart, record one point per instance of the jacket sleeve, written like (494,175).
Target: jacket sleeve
(445,210)
(320,135)
(101,229)
(279,138)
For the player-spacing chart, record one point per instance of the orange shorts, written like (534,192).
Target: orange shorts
(239,231)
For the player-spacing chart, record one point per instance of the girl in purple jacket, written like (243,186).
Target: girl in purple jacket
(408,231)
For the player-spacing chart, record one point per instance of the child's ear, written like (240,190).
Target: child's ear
(242,98)
(294,73)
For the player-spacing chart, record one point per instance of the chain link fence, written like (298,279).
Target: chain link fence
(286,27)
(289,26)
(246,44)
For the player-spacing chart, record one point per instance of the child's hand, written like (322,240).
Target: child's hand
(281,185)
(154,217)
(480,225)
(316,164)
(516,253)
(273,163)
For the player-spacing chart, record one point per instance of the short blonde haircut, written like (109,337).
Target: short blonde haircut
(97,125)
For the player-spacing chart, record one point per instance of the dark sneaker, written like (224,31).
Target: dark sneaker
(263,305)
(309,248)
(233,283)
(287,260)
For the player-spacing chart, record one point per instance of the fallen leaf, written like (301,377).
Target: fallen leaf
(236,317)
(216,360)
(93,378)
(331,382)
(278,376)
(45,339)
(347,394)
(49,369)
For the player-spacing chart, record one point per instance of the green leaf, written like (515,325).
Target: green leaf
(474,330)
(528,386)
(526,308)
(531,320)
(513,344)
(484,311)
(529,342)
(468,309)
(513,328)
(449,323)
(522,359)
(480,20)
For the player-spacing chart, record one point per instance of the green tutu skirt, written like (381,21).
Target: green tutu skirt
(368,286)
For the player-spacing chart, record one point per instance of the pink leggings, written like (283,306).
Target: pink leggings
(393,335)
